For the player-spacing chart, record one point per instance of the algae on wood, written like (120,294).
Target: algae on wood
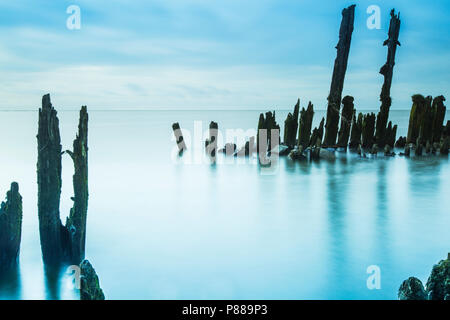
(337,82)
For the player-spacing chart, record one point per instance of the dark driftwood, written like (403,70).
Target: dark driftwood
(346,121)
(89,284)
(387,71)
(337,82)
(76,222)
(291,126)
(306,119)
(59,243)
(10,228)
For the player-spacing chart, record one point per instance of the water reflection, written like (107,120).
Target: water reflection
(10,283)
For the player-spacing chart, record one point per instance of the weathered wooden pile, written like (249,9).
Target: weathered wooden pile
(437,286)
(365,133)
(61,245)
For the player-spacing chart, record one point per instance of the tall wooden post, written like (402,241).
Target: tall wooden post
(337,82)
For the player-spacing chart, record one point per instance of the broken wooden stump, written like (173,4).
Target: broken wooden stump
(416,118)
(179,138)
(438,112)
(437,286)
(306,119)
(368,127)
(401,142)
(10,228)
(59,243)
(211,142)
(390,135)
(356,132)
(382,136)
(291,127)
(348,110)
(248,149)
(266,128)
(340,69)
(49,184)
(425,128)
(89,283)
(317,134)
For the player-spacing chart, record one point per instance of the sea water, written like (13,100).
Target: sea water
(160,227)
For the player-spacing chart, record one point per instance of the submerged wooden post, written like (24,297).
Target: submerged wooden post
(10,228)
(346,121)
(438,110)
(337,82)
(291,126)
(211,143)
(59,243)
(306,119)
(49,183)
(368,127)
(89,284)
(387,71)
(76,222)
(415,118)
(179,138)
(355,135)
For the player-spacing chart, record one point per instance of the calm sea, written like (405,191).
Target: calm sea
(162,228)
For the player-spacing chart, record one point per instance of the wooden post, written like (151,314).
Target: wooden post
(76,222)
(337,82)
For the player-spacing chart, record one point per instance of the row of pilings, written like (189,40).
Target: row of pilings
(344,127)
(61,245)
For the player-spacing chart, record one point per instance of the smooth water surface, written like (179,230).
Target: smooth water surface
(162,228)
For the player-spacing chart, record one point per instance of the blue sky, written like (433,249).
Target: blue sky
(214,54)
